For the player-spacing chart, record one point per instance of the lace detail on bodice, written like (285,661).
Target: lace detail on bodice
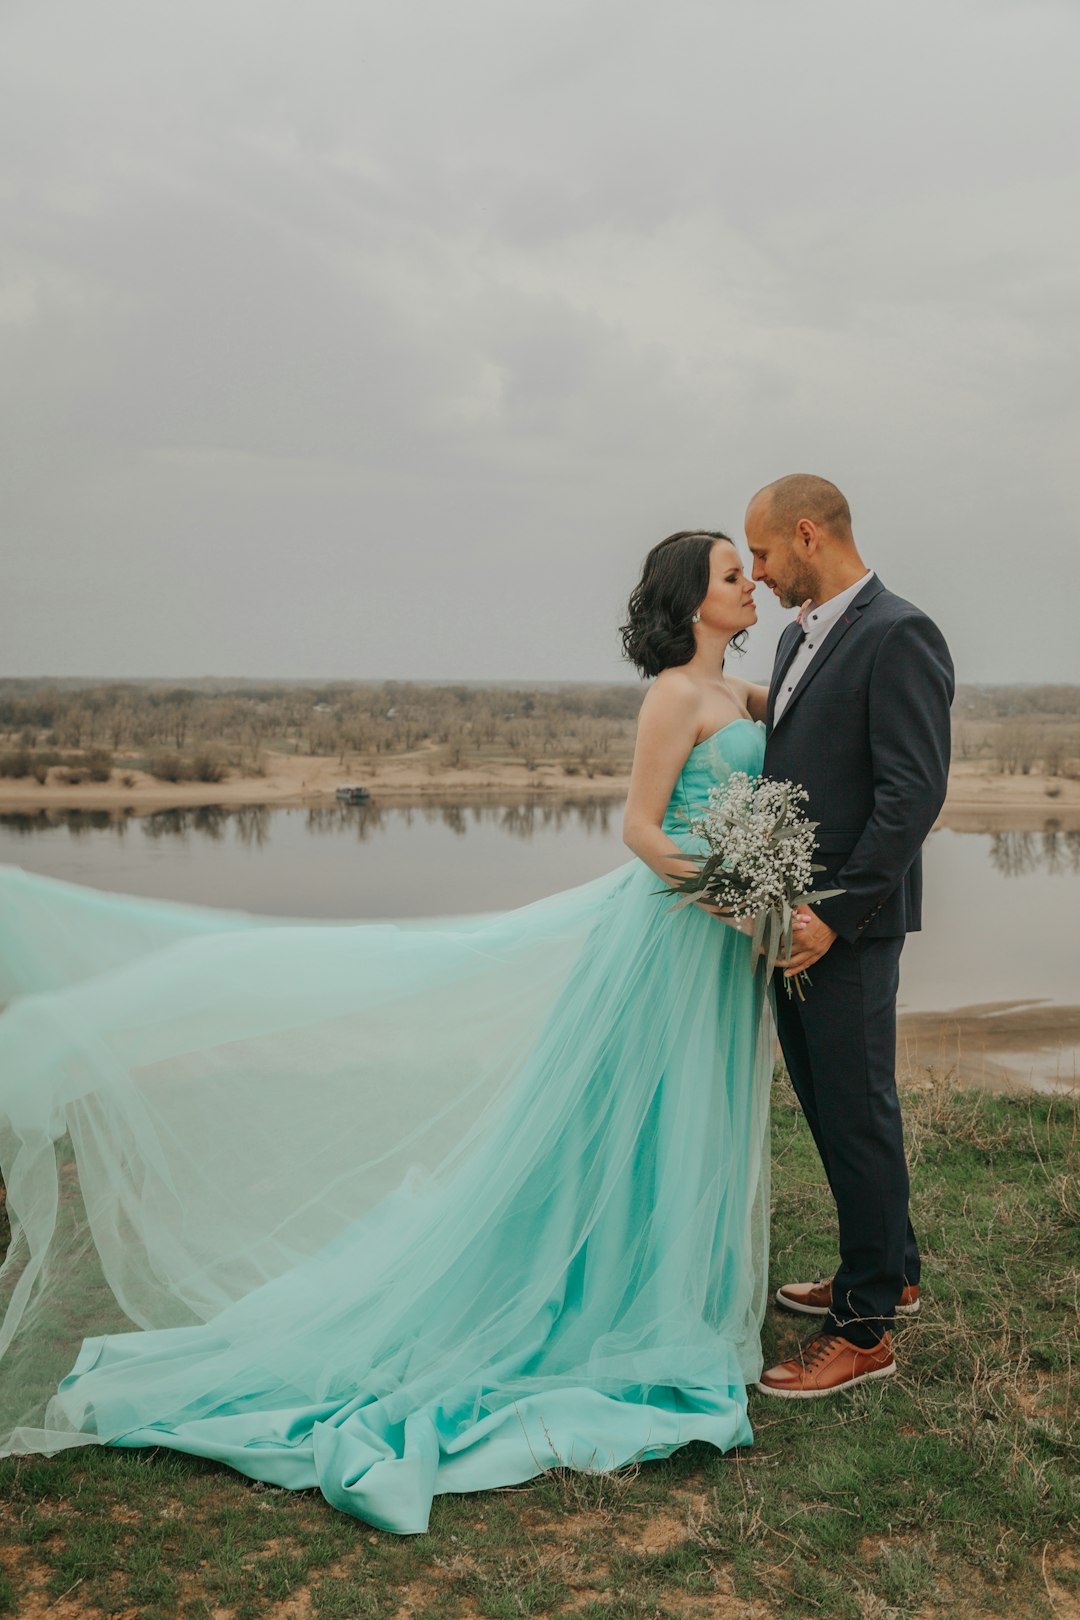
(738,746)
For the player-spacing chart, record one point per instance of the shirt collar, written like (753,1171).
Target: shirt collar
(820,620)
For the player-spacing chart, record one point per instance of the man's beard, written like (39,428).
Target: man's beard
(800,586)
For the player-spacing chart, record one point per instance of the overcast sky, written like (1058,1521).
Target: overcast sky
(365,339)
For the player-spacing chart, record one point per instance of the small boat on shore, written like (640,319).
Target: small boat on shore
(353,795)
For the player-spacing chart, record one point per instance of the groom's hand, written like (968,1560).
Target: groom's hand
(810,940)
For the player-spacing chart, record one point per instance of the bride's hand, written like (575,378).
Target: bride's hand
(742,925)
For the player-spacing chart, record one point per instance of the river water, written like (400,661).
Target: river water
(1000,915)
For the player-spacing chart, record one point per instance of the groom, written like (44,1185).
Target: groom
(859,715)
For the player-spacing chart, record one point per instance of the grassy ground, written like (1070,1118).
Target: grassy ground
(950,1490)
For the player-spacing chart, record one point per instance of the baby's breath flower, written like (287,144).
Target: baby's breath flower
(760,860)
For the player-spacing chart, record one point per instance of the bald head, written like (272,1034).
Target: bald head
(784,503)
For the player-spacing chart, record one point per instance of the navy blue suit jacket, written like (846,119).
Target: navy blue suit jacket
(867,732)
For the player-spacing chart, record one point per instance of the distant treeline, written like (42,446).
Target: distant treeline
(204,726)
(153,725)
(1017,702)
(1019,729)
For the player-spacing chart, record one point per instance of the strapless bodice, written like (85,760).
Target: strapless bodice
(738,746)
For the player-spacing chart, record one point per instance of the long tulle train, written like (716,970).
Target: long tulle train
(387,1209)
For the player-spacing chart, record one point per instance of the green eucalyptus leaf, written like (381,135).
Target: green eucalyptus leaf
(687,900)
(772,943)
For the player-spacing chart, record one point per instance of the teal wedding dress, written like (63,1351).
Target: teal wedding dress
(387,1209)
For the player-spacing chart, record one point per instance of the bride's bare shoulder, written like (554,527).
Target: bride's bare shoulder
(670,711)
(673,692)
(677,685)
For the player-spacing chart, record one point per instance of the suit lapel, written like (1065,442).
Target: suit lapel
(787,647)
(835,636)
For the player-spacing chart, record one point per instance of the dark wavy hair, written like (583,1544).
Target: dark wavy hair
(674,582)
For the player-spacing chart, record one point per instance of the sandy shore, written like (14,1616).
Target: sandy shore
(301,779)
(981,802)
(977,801)
(999,1046)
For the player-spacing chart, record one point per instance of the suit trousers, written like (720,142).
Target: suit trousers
(839,1046)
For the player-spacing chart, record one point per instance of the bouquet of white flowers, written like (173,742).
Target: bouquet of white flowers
(760,862)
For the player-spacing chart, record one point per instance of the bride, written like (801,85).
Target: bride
(400,1209)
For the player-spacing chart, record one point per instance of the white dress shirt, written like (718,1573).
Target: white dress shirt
(817,622)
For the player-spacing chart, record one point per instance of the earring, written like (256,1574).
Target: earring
(695,618)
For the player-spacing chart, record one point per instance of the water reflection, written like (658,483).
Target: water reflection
(250,822)
(1019,854)
(77,822)
(520,820)
(1014,854)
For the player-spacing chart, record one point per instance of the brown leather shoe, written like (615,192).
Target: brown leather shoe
(815,1299)
(826,1363)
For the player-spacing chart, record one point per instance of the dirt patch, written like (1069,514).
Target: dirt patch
(723,1603)
(648,1531)
(121,1513)
(36,1602)
(1065,1603)
(661,1531)
(418,1597)
(299,1605)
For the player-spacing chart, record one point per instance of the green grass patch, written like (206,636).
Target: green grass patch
(950,1489)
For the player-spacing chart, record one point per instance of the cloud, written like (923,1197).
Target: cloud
(372,339)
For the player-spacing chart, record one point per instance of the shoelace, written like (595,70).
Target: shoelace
(817,1348)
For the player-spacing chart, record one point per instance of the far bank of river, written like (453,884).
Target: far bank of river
(988,990)
(978,800)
